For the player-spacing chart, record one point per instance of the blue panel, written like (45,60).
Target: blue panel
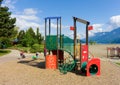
(53,17)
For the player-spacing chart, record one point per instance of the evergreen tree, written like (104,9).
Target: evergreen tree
(29,38)
(20,36)
(31,32)
(6,22)
(7,27)
(39,36)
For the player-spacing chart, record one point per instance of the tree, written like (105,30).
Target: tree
(7,25)
(6,22)
(31,32)
(92,42)
(15,33)
(29,38)
(20,36)
(39,36)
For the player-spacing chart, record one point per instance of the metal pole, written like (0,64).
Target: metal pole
(87,33)
(49,30)
(107,52)
(49,27)
(57,34)
(80,55)
(74,37)
(87,39)
(57,42)
(45,37)
(60,35)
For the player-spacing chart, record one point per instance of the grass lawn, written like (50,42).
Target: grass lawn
(118,63)
(35,48)
(3,52)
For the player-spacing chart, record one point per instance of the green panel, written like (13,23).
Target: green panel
(51,42)
(68,44)
(68,47)
(83,67)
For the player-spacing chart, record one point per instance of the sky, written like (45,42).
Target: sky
(103,15)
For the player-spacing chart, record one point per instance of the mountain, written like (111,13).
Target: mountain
(107,37)
(67,40)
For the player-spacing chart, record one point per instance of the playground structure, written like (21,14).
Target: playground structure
(113,52)
(63,55)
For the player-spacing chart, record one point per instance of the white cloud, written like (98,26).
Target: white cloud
(30,11)
(9,4)
(26,17)
(65,26)
(114,22)
(91,33)
(96,28)
(24,24)
(53,25)
(25,21)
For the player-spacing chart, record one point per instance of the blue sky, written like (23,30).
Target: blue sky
(104,15)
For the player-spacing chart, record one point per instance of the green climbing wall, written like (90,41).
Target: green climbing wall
(51,42)
(66,43)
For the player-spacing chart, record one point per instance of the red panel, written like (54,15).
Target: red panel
(95,61)
(90,28)
(51,62)
(71,28)
(84,50)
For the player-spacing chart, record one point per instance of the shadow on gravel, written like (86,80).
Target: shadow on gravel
(33,63)
(41,65)
(115,58)
(78,72)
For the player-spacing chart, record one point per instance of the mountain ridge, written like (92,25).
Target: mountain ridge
(106,37)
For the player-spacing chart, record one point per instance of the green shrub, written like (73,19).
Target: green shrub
(19,45)
(118,63)
(37,48)
(92,42)
(3,52)
(5,42)
(20,48)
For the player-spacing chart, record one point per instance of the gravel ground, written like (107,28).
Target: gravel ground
(30,72)
(33,72)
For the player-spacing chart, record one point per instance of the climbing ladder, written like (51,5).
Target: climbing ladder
(68,64)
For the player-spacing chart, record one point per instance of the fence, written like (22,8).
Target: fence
(113,52)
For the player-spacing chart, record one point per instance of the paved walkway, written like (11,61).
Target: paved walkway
(14,55)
